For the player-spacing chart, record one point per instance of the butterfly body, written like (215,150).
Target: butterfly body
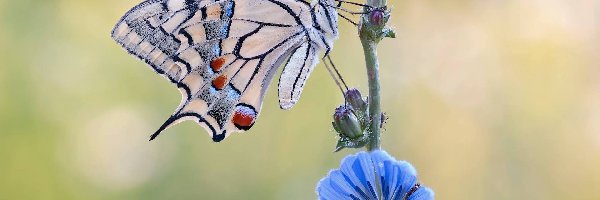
(223,54)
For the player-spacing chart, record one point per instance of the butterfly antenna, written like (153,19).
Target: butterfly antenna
(337,82)
(346,10)
(339,7)
(337,72)
(353,3)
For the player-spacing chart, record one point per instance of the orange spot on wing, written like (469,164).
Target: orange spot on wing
(217,64)
(220,82)
(244,117)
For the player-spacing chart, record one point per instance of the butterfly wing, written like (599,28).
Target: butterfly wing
(295,73)
(222,55)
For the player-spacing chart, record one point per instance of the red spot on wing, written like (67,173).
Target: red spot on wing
(244,117)
(220,82)
(217,64)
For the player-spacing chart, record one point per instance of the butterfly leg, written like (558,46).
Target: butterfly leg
(348,19)
(337,78)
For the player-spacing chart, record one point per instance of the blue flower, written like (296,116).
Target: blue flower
(373,176)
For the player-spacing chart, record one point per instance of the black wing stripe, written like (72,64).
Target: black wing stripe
(301,72)
(264,23)
(328,17)
(240,69)
(262,57)
(288,10)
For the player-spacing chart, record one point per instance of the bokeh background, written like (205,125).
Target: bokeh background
(489,99)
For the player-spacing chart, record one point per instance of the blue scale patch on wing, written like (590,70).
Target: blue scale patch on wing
(152,31)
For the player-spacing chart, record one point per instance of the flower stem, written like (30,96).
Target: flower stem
(370,34)
(370,50)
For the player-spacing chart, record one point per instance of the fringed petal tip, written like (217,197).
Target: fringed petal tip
(372,176)
(423,193)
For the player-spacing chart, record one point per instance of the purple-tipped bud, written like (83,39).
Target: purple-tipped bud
(355,99)
(346,123)
(377,17)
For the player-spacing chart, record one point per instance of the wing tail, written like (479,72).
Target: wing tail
(170,122)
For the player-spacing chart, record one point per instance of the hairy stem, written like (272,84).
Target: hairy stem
(370,35)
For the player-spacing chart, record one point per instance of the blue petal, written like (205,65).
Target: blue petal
(331,187)
(338,183)
(359,171)
(379,156)
(396,178)
(360,175)
(382,170)
(423,193)
(405,176)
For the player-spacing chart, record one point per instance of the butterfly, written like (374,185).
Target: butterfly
(223,54)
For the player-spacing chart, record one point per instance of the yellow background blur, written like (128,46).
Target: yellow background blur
(489,99)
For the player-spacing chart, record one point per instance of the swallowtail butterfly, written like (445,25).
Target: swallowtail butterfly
(223,54)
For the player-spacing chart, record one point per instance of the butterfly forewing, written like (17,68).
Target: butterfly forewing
(222,55)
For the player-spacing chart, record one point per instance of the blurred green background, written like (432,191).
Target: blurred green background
(488,99)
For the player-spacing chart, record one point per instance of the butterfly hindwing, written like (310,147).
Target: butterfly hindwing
(295,73)
(222,55)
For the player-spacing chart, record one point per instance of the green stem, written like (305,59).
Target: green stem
(370,35)
(377,3)
(370,49)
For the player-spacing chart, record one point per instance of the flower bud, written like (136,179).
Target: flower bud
(355,99)
(346,123)
(377,17)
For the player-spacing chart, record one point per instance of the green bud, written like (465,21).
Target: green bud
(346,123)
